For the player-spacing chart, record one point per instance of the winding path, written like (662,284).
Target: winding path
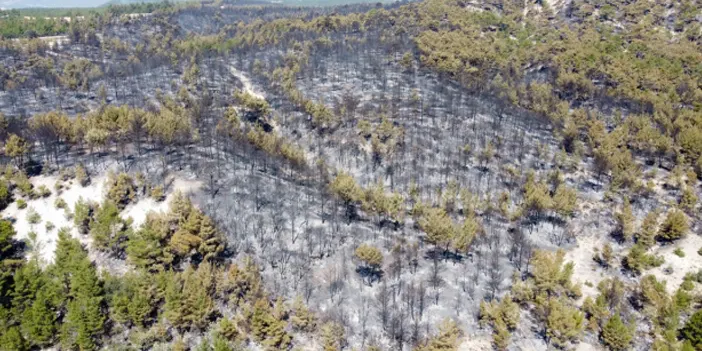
(248,86)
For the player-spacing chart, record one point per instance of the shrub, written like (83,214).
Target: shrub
(58,187)
(22,204)
(674,227)
(638,260)
(66,174)
(33,217)
(688,199)
(24,186)
(60,203)
(49,226)
(364,128)
(606,257)
(682,299)
(121,190)
(687,284)
(679,252)
(43,191)
(82,175)
(158,194)
(32,236)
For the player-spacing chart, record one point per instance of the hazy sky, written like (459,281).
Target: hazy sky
(50,3)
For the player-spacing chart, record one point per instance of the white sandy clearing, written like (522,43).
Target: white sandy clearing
(586,269)
(476,343)
(692,262)
(586,346)
(139,210)
(46,240)
(52,41)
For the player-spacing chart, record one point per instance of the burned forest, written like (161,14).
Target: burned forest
(430,175)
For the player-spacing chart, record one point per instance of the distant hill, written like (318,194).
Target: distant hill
(23,4)
(326,2)
(127,2)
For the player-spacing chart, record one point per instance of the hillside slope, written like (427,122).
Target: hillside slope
(435,175)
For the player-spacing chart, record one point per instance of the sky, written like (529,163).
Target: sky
(49,3)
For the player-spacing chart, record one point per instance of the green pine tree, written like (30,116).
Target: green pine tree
(616,335)
(674,226)
(692,331)
(12,340)
(82,291)
(83,214)
(146,247)
(107,229)
(173,308)
(646,237)
(39,321)
(198,288)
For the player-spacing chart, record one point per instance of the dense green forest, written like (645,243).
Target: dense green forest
(13,25)
(35,22)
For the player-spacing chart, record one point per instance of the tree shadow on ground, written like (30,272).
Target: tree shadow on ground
(369,274)
(441,254)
